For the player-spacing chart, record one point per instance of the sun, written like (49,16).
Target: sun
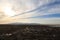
(7,9)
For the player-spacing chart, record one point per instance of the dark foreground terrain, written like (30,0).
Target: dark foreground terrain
(29,32)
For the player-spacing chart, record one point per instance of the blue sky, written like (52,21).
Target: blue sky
(49,10)
(48,16)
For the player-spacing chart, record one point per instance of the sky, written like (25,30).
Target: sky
(30,11)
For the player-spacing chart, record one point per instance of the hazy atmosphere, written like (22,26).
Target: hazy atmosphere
(30,11)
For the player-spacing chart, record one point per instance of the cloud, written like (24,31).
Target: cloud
(41,11)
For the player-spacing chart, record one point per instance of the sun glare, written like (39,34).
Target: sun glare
(8,11)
